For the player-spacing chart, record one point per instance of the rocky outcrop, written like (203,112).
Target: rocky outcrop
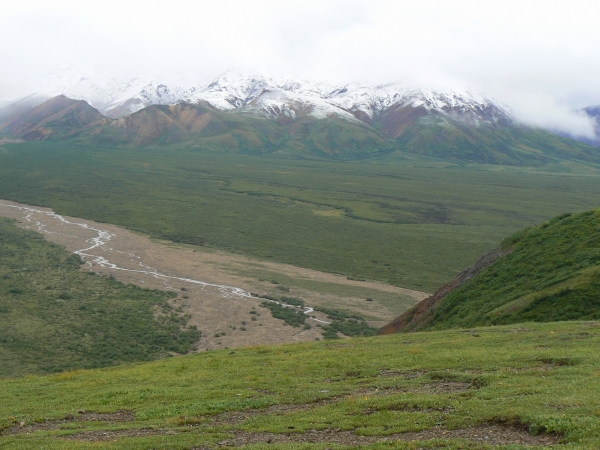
(419,316)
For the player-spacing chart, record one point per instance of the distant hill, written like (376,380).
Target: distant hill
(546,273)
(593,111)
(58,118)
(262,95)
(507,143)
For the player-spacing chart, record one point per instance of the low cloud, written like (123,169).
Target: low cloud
(542,111)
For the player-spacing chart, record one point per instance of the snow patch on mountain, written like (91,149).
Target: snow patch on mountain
(270,96)
(138,94)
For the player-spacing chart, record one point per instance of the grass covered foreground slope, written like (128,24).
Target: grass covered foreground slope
(545,273)
(55,317)
(507,387)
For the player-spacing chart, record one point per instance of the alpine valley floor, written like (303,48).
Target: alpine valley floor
(214,287)
(413,223)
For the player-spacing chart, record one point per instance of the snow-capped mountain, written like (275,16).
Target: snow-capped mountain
(366,102)
(268,96)
(138,94)
(282,98)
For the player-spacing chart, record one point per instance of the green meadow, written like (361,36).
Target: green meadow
(409,222)
(551,273)
(534,384)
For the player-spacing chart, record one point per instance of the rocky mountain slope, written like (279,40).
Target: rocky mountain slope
(545,273)
(259,114)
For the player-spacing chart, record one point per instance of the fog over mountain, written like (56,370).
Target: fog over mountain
(535,58)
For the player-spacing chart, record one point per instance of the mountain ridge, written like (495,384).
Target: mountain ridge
(480,135)
(282,98)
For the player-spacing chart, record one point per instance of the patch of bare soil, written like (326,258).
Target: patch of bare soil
(235,418)
(109,435)
(520,330)
(445,387)
(437,388)
(225,318)
(492,435)
(82,416)
(406,375)
(116,417)
(548,364)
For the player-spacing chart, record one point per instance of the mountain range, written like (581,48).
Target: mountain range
(283,97)
(256,114)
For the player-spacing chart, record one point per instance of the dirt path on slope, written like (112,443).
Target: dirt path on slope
(213,287)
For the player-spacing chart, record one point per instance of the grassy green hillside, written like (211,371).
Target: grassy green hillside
(512,387)
(409,223)
(551,273)
(55,317)
(504,145)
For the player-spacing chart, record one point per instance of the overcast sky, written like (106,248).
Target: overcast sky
(542,58)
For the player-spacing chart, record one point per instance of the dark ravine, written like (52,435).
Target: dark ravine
(419,316)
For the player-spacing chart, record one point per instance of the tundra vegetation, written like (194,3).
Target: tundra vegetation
(410,222)
(56,317)
(551,272)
